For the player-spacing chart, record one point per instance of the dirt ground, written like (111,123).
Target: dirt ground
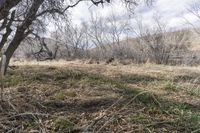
(79,97)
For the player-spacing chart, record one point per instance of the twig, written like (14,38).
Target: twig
(28,114)
(154,124)
(114,114)
(12,106)
(106,123)
(3,68)
(13,129)
(156,100)
(196,131)
(141,93)
(104,114)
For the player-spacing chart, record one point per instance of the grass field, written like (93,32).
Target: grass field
(79,97)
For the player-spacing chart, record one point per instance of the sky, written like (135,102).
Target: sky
(171,12)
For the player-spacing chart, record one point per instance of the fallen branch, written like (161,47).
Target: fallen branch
(28,114)
(101,117)
(2,72)
(196,131)
(115,113)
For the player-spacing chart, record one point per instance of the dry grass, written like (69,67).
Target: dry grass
(62,96)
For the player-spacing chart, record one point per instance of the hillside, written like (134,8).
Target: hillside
(191,37)
(188,38)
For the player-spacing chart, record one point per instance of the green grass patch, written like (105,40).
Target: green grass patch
(194,91)
(62,124)
(170,86)
(135,78)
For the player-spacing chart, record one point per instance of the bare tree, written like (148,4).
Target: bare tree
(98,35)
(30,12)
(116,30)
(74,39)
(194,9)
(159,43)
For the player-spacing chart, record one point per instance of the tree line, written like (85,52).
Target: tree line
(22,18)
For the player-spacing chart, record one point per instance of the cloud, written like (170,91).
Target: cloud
(172,12)
(82,12)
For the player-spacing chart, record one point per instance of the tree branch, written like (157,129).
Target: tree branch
(55,10)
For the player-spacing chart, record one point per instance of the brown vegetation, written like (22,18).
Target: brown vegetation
(75,97)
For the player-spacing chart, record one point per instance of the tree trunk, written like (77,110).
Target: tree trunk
(13,46)
(8,31)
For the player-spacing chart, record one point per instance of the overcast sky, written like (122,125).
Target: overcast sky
(171,11)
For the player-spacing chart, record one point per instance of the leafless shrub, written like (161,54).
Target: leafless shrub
(28,16)
(160,44)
